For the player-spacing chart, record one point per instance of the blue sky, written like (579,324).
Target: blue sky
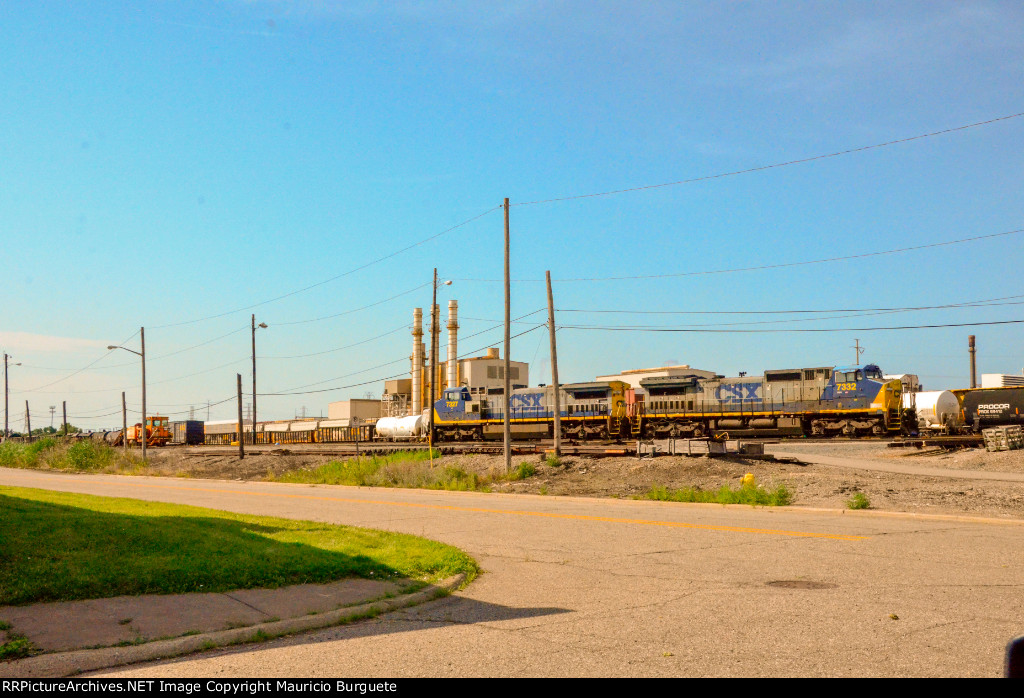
(164,164)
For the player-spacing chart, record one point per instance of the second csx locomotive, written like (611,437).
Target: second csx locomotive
(820,401)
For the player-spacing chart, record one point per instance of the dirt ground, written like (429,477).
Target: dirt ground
(827,486)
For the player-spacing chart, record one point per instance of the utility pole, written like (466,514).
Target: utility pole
(53,409)
(142,355)
(972,351)
(859,350)
(7,394)
(241,433)
(254,326)
(508,344)
(124,422)
(65,403)
(554,368)
(28,422)
(433,364)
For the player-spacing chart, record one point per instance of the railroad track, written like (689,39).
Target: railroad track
(570,448)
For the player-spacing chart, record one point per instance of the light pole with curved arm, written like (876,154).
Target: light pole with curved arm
(142,355)
(254,326)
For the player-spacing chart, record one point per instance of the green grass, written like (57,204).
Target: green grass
(57,546)
(859,500)
(745,494)
(553,461)
(411,469)
(78,455)
(523,471)
(16,647)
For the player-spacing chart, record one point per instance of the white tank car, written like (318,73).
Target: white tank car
(935,408)
(400,427)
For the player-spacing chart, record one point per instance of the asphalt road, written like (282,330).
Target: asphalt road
(588,587)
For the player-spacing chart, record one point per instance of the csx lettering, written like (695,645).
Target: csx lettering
(734,392)
(526,400)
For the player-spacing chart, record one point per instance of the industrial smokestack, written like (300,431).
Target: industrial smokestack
(453,332)
(972,351)
(417,361)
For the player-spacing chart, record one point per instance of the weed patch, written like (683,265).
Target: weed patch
(859,500)
(755,495)
(409,469)
(16,647)
(78,455)
(523,471)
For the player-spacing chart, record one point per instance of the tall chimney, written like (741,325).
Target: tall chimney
(417,361)
(453,331)
(972,351)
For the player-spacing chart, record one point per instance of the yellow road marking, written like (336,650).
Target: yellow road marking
(483,510)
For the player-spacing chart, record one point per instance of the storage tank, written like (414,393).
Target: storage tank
(934,408)
(400,427)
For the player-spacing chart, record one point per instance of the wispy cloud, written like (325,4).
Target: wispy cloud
(866,45)
(25,342)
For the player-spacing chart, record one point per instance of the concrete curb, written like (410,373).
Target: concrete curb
(62,664)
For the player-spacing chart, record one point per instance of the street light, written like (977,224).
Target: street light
(262,325)
(142,355)
(7,392)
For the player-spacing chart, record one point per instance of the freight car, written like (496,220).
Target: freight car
(989,407)
(189,432)
(306,431)
(936,410)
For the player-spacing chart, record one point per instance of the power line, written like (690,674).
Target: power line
(335,278)
(109,352)
(638,328)
(760,168)
(966,304)
(354,310)
(375,380)
(133,363)
(195,346)
(347,346)
(768,266)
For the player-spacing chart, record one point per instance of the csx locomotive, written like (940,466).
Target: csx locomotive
(821,401)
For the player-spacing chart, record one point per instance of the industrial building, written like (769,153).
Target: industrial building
(481,374)
(354,411)
(1001,380)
